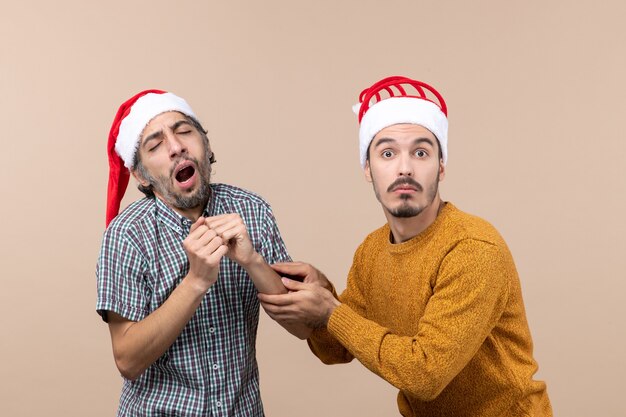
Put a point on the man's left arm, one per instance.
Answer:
(468, 299)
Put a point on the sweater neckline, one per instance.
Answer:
(421, 237)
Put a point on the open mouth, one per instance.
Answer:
(185, 173)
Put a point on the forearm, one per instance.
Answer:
(138, 345)
(400, 360)
(422, 364)
(265, 279)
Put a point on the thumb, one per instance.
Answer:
(196, 224)
(292, 285)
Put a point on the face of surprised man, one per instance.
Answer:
(405, 167)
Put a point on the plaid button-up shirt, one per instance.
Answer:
(211, 368)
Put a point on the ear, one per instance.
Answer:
(139, 178)
(368, 171)
(442, 170)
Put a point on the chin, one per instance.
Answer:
(405, 211)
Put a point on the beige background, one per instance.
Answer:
(537, 100)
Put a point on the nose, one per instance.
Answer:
(175, 145)
(405, 168)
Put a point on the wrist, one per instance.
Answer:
(325, 283)
(252, 262)
(196, 284)
(334, 303)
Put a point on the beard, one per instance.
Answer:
(164, 185)
(408, 209)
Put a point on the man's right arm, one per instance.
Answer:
(138, 344)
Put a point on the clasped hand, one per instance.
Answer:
(309, 302)
(210, 239)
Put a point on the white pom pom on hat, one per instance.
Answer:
(388, 102)
(130, 120)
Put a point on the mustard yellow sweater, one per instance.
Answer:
(441, 318)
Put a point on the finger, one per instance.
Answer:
(217, 221)
(204, 239)
(213, 258)
(270, 313)
(197, 232)
(218, 217)
(278, 313)
(219, 253)
(235, 232)
(275, 299)
(211, 246)
(235, 224)
(293, 268)
(197, 224)
(221, 229)
(272, 310)
(293, 285)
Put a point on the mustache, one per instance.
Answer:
(405, 181)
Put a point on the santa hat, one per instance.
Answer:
(395, 100)
(130, 121)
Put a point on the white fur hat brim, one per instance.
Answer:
(141, 113)
(396, 110)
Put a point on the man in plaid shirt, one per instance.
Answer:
(179, 270)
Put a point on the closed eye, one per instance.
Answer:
(155, 146)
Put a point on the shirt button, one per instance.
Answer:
(211, 329)
(215, 366)
(218, 403)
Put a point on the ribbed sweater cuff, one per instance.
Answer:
(345, 324)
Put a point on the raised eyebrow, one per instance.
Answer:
(382, 141)
(419, 141)
(415, 142)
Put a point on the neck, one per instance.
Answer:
(191, 213)
(405, 228)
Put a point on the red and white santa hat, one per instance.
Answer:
(395, 100)
(131, 119)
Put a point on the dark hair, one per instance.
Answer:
(143, 173)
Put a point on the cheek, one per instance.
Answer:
(380, 176)
(379, 182)
(158, 169)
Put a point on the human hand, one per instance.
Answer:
(204, 249)
(303, 272)
(232, 230)
(307, 304)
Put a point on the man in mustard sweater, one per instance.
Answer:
(433, 302)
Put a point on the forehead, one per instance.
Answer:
(161, 121)
(404, 131)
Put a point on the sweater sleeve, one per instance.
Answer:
(468, 298)
(321, 342)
